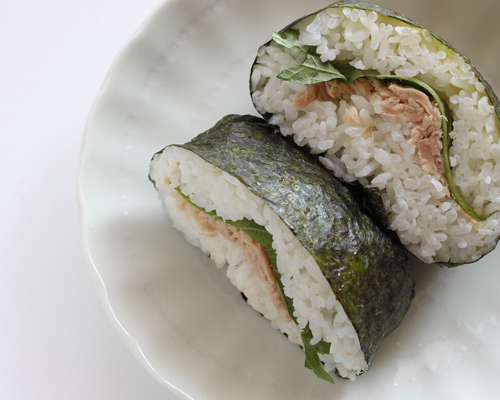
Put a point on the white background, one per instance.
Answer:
(56, 342)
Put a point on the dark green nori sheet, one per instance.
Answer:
(365, 265)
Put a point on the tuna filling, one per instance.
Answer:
(254, 251)
(406, 104)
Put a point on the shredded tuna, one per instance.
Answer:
(336, 89)
(254, 251)
(398, 102)
(351, 116)
(413, 106)
(367, 86)
(324, 91)
(302, 99)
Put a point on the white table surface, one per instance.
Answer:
(56, 341)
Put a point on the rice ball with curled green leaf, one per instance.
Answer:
(297, 244)
(385, 103)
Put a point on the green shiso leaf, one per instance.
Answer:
(262, 236)
(291, 36)
(311, 71)
(447, 167)
(352, 73)
(322, 347)
(312, 358)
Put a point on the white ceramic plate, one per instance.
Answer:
(186, 67)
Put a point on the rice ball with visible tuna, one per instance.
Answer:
(387, 104)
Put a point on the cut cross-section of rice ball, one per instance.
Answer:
(389, 105)
(296, 241)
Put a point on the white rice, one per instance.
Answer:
(430, 224)
(313, 299)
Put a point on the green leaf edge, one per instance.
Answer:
(262, 236)
(311, 71)
(289, 41)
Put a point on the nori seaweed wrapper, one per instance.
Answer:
(365, 265)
